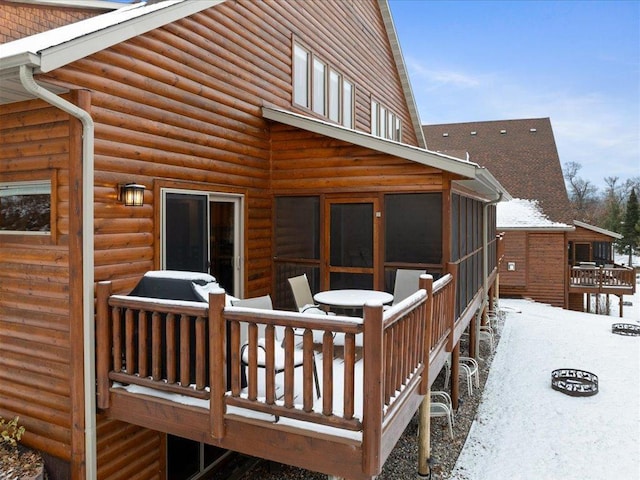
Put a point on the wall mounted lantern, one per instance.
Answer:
(131, 194)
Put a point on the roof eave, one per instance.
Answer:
(88, 44)
(339, 132)
(486, 184)
(402, 71)
(24, 58)
(603, 231)
(554, 228)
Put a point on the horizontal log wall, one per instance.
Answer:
(515, 251)
(127, 451)
(581, 234)
(546, 276)
(305, 162)
(34, 301)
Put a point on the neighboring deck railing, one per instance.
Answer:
(591, 279)
(185, 347)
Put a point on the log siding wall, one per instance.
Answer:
(35, 337)
(179, 104)
(541, 262)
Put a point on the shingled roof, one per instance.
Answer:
(521, 154)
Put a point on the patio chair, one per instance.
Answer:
(302, 295)
(407, 283)
(265, 303)
(467, 367)
(441, 406)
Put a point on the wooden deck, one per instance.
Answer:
(175, 367)
(611, 280)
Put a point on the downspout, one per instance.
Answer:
(29, 84)
(485, 269)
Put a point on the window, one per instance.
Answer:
(385, 123)
(347, 103)
(413, 228)
(301, 76)
(25, 207)
(323, 89)
(319, 87)
(334, 96)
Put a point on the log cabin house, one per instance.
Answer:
(542, 246)
(264, 140)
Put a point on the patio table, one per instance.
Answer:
(351, 298)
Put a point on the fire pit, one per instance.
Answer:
(627, 329)
(574, 382)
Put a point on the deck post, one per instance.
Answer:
(217, 364)
(424, 437)
(621, 304)
(103, 347)
(373, 359)
(455, 376)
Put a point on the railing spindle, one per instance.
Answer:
(172, 368)
(142, 343)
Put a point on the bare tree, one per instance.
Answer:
(582, 193)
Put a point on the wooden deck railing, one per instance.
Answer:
(443, 318)
(152, 343)
(185, 348)
(602, 279)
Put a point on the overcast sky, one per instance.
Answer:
(576, 62)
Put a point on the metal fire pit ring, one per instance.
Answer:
(574, 382)
(628, 329)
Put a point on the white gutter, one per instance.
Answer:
(29, 84)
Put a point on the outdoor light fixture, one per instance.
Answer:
(131, 194)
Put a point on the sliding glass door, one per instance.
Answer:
(201, 232)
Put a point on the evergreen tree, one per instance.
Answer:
(631, 225)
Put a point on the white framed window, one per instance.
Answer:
(334, 96)
(301, 75)
(25, 207)
(319, 87)
(385, 123)
(375, 125)
(348, 106)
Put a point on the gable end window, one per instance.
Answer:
(321, 88)
(385, 123)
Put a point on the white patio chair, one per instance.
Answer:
(302, 295)
(487, 334)
(467, 367)
(407, 283)
(265, 303)
(440, 406)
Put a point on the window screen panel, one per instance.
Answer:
(413, 228)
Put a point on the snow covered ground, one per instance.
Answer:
(526, 430)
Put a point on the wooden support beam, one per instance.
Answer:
(424, 437)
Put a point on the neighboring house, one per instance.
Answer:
(271, 139)
(541, 243)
